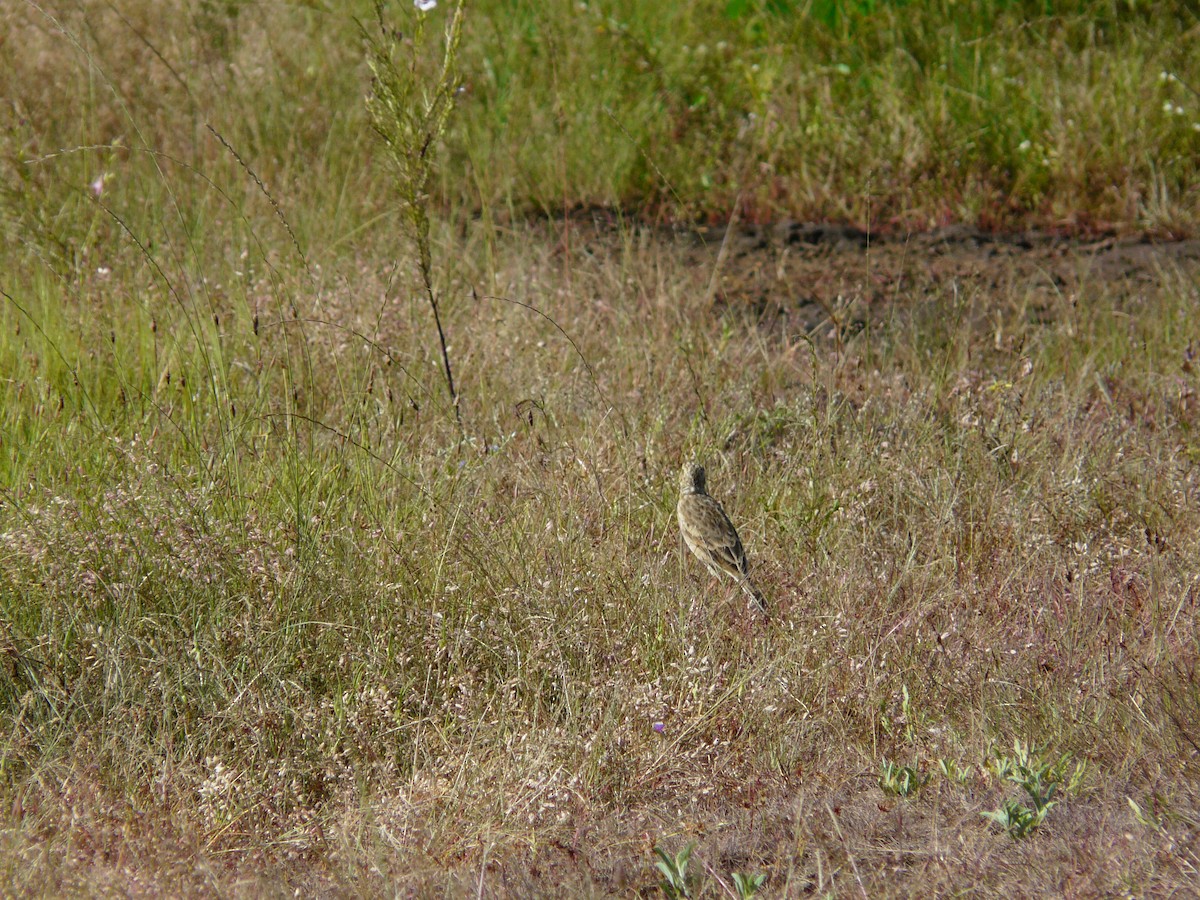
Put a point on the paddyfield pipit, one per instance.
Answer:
(710, 535)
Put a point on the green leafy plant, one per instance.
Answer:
(952, 771)
(746, 886)
(900, 781)
(674, 870)
(1018, 820)
(1041, 780)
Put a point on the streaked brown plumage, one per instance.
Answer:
(710, 535)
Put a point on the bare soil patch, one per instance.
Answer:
(794, 274)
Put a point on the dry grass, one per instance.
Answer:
(271, 622)
(363, 657)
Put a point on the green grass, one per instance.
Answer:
(890, 115)
(270, 619)
(893, 115)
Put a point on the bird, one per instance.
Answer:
(710, 535)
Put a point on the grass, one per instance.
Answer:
(271, 620)
(892, 116)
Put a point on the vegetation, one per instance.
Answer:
(282, 609)
(1081, 116)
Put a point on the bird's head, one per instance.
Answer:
(692, 480)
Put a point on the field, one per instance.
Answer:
(338, 552)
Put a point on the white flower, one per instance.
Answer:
(424, 5)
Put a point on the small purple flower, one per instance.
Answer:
(97, 186)
(660, 727)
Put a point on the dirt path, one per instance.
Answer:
(802, 272)
(794, 275)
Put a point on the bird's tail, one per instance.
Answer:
(755, 594)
